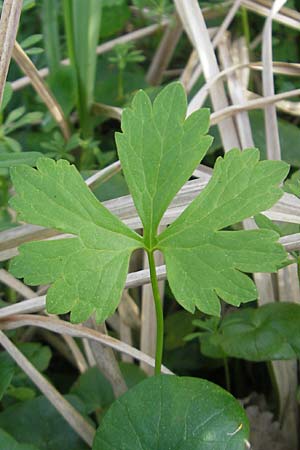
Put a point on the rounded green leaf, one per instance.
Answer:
(38, 424)
(168, 412)
(94, 390)
(132, 374)
(7, 370)
(9, 443)
(270, 332)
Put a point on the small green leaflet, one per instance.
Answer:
(158, 149)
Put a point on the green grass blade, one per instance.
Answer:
(51, 33)
(82, 24)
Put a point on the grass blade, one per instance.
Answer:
(51, 33)
(82, 23)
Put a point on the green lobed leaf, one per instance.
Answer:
(204, 263)
(56, 196)
(168, 412)
(159, 150)
(270, 332)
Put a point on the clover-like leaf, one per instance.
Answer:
(270, 332)
(168, 412)
(204, 263)
(159, 150)
(88, 272)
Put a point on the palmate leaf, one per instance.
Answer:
(158, 150)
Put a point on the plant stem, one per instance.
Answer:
(120, 84)
(159, 314)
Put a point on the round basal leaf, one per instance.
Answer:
(132, 374)
(94, 390)
(37, 423)
(268, 333)
(7, 370)
(172, 413)
(9, 443)
(177, 326)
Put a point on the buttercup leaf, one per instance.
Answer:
(159, 150)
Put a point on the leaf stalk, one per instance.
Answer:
(159, 314)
